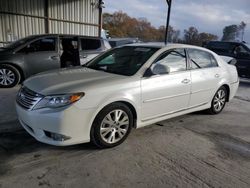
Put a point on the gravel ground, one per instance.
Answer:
(195, 150)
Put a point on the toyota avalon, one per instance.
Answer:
(126, 87)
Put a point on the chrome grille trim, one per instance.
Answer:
(27, 98)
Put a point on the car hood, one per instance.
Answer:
(68, 80)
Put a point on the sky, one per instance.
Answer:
(206, 15)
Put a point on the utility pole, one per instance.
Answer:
(169, 2)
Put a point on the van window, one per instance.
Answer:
(90, 44)
(201, 59)
(44, 44)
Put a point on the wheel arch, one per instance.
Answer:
(228, 91)
(128, 103)
(20, 70)
(133, 110)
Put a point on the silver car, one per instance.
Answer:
(38, 53)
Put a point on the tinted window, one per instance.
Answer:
(45, 44)
(175, 60)
(201, 59)
(248, 46)
(125, 60)
(240, 49)
(19, 42)
(90, 44)
(221, 47)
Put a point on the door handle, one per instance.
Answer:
(54, 57)
(185, 81)
(217, 75)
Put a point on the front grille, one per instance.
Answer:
(27, 98)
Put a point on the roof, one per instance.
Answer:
(64, 35)
(162, 45)
(123, 39)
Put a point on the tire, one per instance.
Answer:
(219, 101)
(106, 131)
(9, 76)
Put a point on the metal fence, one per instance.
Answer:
(20, 18)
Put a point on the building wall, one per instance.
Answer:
(20, 18)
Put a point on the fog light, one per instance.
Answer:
(59, 137)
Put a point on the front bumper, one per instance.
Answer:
(73, 123)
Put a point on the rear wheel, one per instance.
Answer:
(9, 76)
(219, 100)
(112, 125)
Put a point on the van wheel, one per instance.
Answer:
(9, 76)
(112, 125)
(219, 101)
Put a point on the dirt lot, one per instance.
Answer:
(195, 150)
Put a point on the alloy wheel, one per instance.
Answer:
(219, 100)
(114, 126)
(7, 77)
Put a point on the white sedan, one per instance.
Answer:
(127, 87)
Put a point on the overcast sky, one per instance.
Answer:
(206, 15)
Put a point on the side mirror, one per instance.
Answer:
(159, 69)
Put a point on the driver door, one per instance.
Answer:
(165, 94)
(41, 55)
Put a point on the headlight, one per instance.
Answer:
(57, 101)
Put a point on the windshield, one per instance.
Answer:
(125, 60)
(247, 45)
(19, 42)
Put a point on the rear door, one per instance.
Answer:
(205, 74)
(41, 55)
(90, 48)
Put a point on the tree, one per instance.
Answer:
(206, 37)
(191, 36)
(176, 36)
(119, 24)
(230, 33)
(241, 29)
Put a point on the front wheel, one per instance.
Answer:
(219, 101)
(112, 125)
(9, 76)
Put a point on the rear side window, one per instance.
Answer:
(201, 59)
(90, 44)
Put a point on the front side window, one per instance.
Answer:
(19, 42)
(201, 59)
(124, 61)
(44, 44)
(175, 60)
